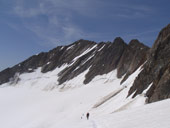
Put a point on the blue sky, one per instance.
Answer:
(28, 27)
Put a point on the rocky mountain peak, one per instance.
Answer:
(119, 41)
(155, 73)
(133, 56)
(97, 58)
(83, 42)
(135, 44)
(163, 34)
(93, 59)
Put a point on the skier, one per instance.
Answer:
(87, 115)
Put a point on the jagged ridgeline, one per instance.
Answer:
(156, 71)
(102, 58)
(99, 58)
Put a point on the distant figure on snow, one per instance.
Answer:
(82, 116)
(87, 115)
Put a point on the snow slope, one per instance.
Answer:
(155, 115)
(37, 102)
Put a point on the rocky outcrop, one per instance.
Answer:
(107, 59)
(83, 55)
(48, 61)
(133, 57)
(26, 66)
(156, 71)
(102, 58)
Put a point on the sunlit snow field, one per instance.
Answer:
(37, 101)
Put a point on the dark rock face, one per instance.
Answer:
(26, 66)
(107, 59)
(65, 55)
(48, 61)
(133, 57)
(156, 70)
(103, 59)
(98, 58)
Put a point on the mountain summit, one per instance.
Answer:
(96, 59)
(156, 71)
